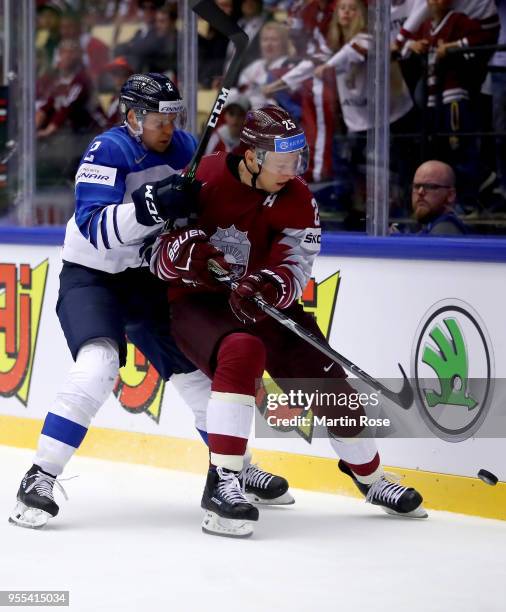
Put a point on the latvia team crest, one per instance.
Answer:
(236, 246)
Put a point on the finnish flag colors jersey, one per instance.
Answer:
(104, 233)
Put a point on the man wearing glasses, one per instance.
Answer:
(433, 199)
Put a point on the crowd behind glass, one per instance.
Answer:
(448, 96)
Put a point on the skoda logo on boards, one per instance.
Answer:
(452, 370)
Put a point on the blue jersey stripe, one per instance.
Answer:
(93, 227)
(204, 436)
(115, 224)
(103, 229)
(63, 430)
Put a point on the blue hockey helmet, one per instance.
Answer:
(152, 93)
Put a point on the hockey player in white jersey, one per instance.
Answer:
(127, 186)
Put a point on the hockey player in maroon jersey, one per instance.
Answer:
(258, 220)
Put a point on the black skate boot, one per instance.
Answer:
(228, 512)
(36, 503)
(387, 493)
(262, 487)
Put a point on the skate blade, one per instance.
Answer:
(228, 528)
(31, 518)
(417, 513)
(283, 500)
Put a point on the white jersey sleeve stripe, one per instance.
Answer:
(130, 231)
(303, 247)
(113, 239)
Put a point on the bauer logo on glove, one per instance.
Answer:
(184, 254)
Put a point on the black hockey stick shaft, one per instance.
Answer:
(403, 398)
(220, 21)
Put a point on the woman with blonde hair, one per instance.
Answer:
(350, 42)
(275, 60)
(318, 96)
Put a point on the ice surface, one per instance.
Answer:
(129, 539)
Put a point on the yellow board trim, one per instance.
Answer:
(440, 491)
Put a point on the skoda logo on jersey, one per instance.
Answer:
(292, 143)
(452, 370)
(236, 246)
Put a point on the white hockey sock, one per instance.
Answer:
(89, 383)
(229, 417)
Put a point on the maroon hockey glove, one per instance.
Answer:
(268, 285)
(184, 254)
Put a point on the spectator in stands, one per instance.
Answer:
(344, 57)
(434, 198)
(116, 73)
(450, 83)
(141, 44)
(273, 63)
(310, 23)
(212, 49)
(163, 57)
(68, 117)
(69, 103)
(45, 74)
(226, 136)
(252, 19)
(349, 44)
(48, 20)
(484, 11)
(119, 10)
(95, 52)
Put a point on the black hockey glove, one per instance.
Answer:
(172, 198)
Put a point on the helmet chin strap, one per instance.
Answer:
(136, 133)
(254, 175)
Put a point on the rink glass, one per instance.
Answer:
(366, 185)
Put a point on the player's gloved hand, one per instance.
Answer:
(268, 285)
(185, 254)
(172, 198)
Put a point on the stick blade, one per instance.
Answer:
(406, 396)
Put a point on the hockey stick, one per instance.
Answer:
(403, 398)
(220, 21)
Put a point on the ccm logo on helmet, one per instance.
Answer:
(150, 204)
(218, 107)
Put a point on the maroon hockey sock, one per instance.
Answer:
(365, 469)
(240, 362)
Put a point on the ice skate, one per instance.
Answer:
(391, 496)
(36, 503)
(227, 511)
(261, 487)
